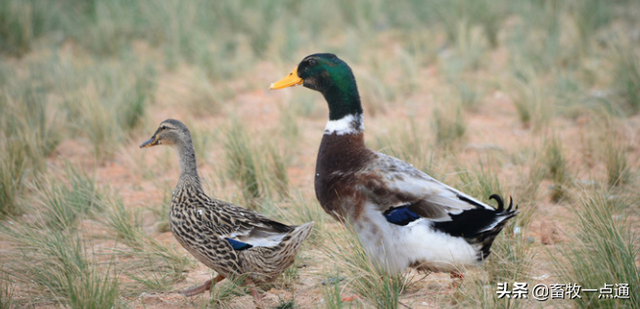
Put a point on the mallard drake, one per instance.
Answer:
(229, 239)
(404, 217)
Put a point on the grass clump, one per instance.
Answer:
(260, 169)
(112, 104)
(627, 77)
(21, 22)
(6, 291)
(241, 163)
(458, 14)
(530, 100)
(331, 294)
(407, 142)
(30, 130)
(529, 186)
(61, 263)
(369, 279)
(222, 293)
(53, 253)
(31, 123)
(12, 171)
(480, 182)
(448, 124)
(67, 201)
(155, 265)
(606, 251)
(589, 16)
(618, 169)
(557, 168)
(273, 173)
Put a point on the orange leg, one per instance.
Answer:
(347, 299)
(202, 288)
(457, 275)
(254, 292)
(457, 279)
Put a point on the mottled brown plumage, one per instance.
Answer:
(230, 239)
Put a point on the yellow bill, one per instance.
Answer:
(289, 81)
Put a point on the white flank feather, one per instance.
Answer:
(263, 240)
(416, 242)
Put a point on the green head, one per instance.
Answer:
(330, 76)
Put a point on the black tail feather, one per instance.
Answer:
(501, 203)
(499, 200)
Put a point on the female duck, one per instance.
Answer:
(229, 239)
(402, 215)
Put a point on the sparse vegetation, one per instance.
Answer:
(156, 266)
(241, 163)
(63, 265)
(618, 169)
(65, 203)
(605, 250)
(449, 125)
(488, 96)
(6, 291)
(367, 278)
(557, 168)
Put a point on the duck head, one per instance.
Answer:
(170, 132)
(332, 77)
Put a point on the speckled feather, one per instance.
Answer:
(210, 229)
(202, 224)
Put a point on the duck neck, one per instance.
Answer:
(188, 168)
(345, 109)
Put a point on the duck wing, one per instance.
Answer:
(404, 194)
(242, 228)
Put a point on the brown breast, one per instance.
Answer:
(339, 158)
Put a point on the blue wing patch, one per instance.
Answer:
(400, 215)
(238, 245)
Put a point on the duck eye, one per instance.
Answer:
(163, 127)
(312, 62)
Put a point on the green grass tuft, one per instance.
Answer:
(557, 168)
(241, 163)
(448, 125)
(12, 171)
(331, 294)
(480, 182)
(618, 168)
(370, 280)
(155, 266)
(531, 100)
(65, 202)
(605, 251)
(627, 77)
(6, 291)
(61, 263)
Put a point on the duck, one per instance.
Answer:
(402, 216)
(229, 239)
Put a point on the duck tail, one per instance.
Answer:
(502, 215)
(268, 263)
(295, 238)
(500, 202)
(301, 232)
